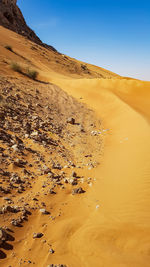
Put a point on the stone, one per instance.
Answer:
(11, 17)
(78, 191)
(57, 166)
(51, 251)
(3, 236)
(74, 174)
(52, 192)
(44, 211)
(73, 181)
(8, 209)
(71, 121)
(15, 148)
(16, 222)
(20, 163)
(37, 235)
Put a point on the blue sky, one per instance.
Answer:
(113, 34)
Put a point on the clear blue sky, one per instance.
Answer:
(114, 34)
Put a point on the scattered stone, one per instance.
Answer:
(78, 191)
(3, 236)
(20, 163)
(15, 148)
(51, 251)
(71, 121)
(16, 222)
(74, 174)
(37, 235)
(73, 181)
(6, 209)
(52, 192)
(44, 211)
(57, 166)
(35, 199)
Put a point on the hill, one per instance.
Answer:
(74, 160)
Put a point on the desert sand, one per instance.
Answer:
(108, 225)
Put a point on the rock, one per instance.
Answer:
(73, 181)
(12, 18)
(15, 148)
(57, 166)
(20, 163)
(37, 235)
(46, 170)
(9, 209)
(34, 134)
(15, 179)
(7, 199)
(35, 199)
(74, 174)
(16, 222)
(52, 192)
(51, 251)
(44, 211)
(71, 121)
(78, 191)
(65, 180)
(3, 236)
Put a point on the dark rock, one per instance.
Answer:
(37, 235)
(3, 236)
(57, 166)
(78, 191)
(71, 121)
(20, 163)
(16, 222)
(52, 192)
(44, 211)
(74, 174)
(12, 18)
(51, 251)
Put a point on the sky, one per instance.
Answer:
(113, 34)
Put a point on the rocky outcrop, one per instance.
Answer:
(12, 18)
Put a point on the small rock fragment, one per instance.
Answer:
(78, 191)
(44, 211)
(71, 120)
(37, 235)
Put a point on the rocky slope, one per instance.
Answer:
(12, 18)
(43, 148)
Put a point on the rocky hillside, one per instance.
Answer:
(43, 148)
(12, 18)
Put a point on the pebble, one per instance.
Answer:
(78, 191)
(51, 251)
(37, 235)
(44, 211)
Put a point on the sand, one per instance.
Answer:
(109, 225)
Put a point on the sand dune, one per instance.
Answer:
(117, 233)
(109, 224)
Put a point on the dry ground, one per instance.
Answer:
(107, 147)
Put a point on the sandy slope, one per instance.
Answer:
(110, 224)
(117, 233)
